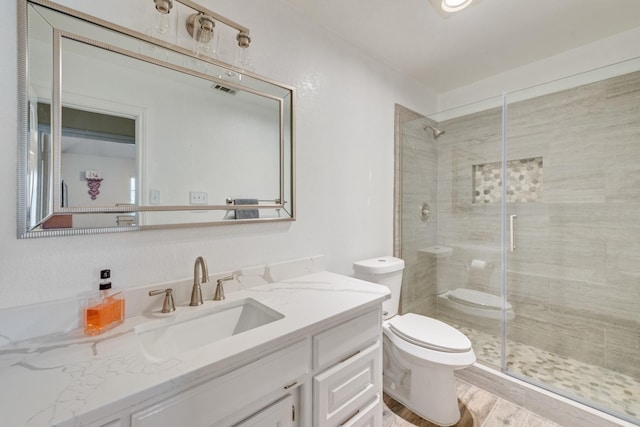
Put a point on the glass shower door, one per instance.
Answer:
(447, 164)
(469, 284)
(573, 278)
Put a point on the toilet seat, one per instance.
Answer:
(429, 333)
(479, 299)
(413, 354)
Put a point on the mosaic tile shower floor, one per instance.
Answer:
(595, 384)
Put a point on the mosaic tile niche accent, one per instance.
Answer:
(524, 181)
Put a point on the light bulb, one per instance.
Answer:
(161, 24)
(201, 27)
(243, 59)
(243, 55)
(161, 21)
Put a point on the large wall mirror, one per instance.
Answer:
(122, 132)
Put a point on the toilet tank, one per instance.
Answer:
(385, 271)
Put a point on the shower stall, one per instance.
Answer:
(520, 226)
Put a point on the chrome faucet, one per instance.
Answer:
(196, 292)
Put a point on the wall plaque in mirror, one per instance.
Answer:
(123, 132)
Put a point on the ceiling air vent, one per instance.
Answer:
(222, 88)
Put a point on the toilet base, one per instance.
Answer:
(427, 388)
(432, 394)
(440, 387)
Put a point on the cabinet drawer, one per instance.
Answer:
(342, 390)
(342, 341)
(369, 416)
(219, 398)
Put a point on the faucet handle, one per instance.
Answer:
(219, 294)
(168, 305)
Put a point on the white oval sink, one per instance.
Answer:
(171, 336)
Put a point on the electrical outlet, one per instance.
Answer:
(198, 197)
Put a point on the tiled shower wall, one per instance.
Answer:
(416, 163)
(574, 280)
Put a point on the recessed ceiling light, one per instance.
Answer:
(454, 5)
(448, 8)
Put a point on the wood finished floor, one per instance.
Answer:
(478, 408)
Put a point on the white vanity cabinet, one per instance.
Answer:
(267, 388)
(331, 377)
(347, 385)
(338, 371)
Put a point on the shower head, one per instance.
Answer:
(436, 132)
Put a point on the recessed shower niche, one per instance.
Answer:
(524, 181)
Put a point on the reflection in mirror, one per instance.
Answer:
(93, 145)
(127, 141)
(36, 190)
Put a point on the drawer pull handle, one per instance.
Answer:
(350, 418)
(349, 357)
(287, 387)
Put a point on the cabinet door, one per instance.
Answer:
(278, 414)
(225, 396)
(347, 387)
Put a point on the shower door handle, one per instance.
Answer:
(512, 232)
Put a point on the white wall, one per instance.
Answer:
(114, 189)
(603, 53)
(345, 115)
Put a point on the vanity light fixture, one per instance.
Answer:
(164, 6)
(201, 25)
(243, 39)
(161, 19)
(243, 57)
(454, 5)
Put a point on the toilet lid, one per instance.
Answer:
(429, 333)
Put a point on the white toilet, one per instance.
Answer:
(476, 304)
(420, 353)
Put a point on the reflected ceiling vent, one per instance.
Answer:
(221, 88)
